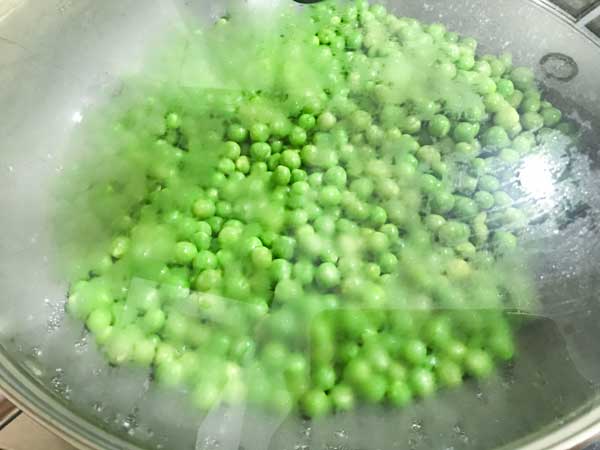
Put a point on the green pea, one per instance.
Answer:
(449, 373)
(204, 208)
(316, 403)
(442, 202)
(261, 257)
(259, 132)
(328, 275)
(422, 382)
(342, 397)
(237, 133)
(551, 116)
(329, 196)
(260, 151)
(399, 393)
(335, 176)
(209, 279)
(478, 363)
(99, 320)
(453, 232)
(532, 121)
(439, 126)
(522, 77)
(185, 252)
(496, 137)
(284, 247)
(297, 136)
(484, 199)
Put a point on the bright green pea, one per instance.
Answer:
(259, 132)
(297, 136)
(439, 126)
(307, 121)
(453, 233)
(204, 208)
(99, 320)
(284, 247)
(449, 373)
(260, 151)
(237, 133)
(282, 175)
(329, 196)
(209, 279)
(335, 176)
(442, 202)
(522, 77)
(422, 382)
(328, 275)
(342, 397)
(316, 403)
(478, 363)
(496, 137)
(185, 252)
(261, 257)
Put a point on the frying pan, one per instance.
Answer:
(60, 57)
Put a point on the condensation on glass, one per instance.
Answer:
(576, 8)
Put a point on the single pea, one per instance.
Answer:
(288, 290)
(465, 131)
(307, 121)
(496, 137)
(442, 202)
(204, 208)
(282, 175)
(324, 377)
(399, 393)
(494, 102)
(532, 121)
(478, 363)
(291, 159)
(335, 176)
(342, 397)
(316, 403)
(551, 116)
(449, 373)
(422, 382)
(260, 151)
(439, 126)
(506, 118)
(259, 132)
(297, 136)
(328, 275)
(453, 232)
(504, 241)
(522, 77)
(464, 207)
(415, 351)
(99, 320)
(185, 252)
(374, 390)
(360, 120)
(505, 87)
(329, 196)
(261, 257)
(173, 121)
(489, 183)
(484, 199)
(209, 279)
(284, 247)
(237, 133)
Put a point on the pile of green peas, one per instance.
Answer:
(318, 249)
